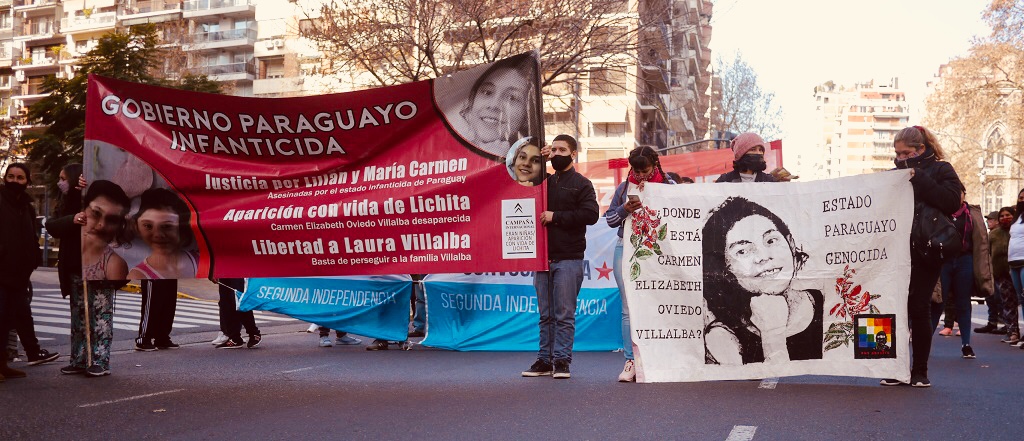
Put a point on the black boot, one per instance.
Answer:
(987, 329)
(7, 372)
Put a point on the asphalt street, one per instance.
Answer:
(289, 388)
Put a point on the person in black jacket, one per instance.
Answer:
(749, 164)
(572, 205)
(935, 183)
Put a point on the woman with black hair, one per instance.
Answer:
(645, 166)
(935, 183)
(69, 257)
(1015, 259)
(753, 312)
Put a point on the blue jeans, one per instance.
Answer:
(557, 290)
(1016, 275)
(957, 277)
(627, 336)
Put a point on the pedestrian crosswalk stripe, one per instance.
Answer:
(54, 309)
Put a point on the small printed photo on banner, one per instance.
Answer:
(875, 336)
(490, 107)
(525, 163)
(753, 313)
(155, 238)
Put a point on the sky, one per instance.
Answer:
(794, 45)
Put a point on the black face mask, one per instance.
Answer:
(914, 162)
(16, 187)
(751, 162)
(560, 162)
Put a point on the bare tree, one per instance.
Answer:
(744, 106)
(977, 106)
(398, 41)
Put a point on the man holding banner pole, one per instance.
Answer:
(571, 206)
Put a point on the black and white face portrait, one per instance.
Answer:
(759, 256)
(491, 107)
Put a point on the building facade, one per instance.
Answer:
(857, 124)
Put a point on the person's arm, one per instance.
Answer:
(61, 227)
(723, 346)
(941, 191)
(586, 211)
(617, 212)
(117, 268)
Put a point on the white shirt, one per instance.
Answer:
(1016, 250)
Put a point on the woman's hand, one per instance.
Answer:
(770, 314)
(632, 206)
(81, 182)
(80, 218)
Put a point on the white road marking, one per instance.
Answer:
(769, 383)
(303, 369)
(742, 433)
(137, 397)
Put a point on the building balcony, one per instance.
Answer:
(656, 37)
(39, 30)
(26, 5)
(94, 21)
(654, 75)
(6, 3)
(34, 65)
(29, 93)
(227, 72)
(222, 40)
(150, 11)
(278, 86)
(221, 8)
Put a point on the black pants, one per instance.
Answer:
(159, 299)
(19, 318)
(231, 319)
(923, 278)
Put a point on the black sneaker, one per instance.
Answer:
(72, 370)
(43, 356)
(1000, 330)
(987, 329)
(97, 371)
(254, 341)
(561, 369)
(377, 345)
(144, 345)
(967, 352)
(540, 368)
(891, 382)
(232, 343)
(167, 345)
(918, 380)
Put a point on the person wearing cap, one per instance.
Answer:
(749, 165)
(992, 219)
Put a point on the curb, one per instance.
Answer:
(137, 289)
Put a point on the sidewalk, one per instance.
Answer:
(198, 289)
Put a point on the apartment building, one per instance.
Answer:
(658, 96)
(857, 125)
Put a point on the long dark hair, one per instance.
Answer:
(115, 194)
(726, 299)
(71, 203)
(518, 63)
(645, 156)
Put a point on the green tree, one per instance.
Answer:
(131, 55)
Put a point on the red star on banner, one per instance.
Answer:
(604, 271)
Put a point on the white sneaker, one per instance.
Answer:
(313, 327)
(345, 340)
(221, 338)
(325, 342)
(628, 374)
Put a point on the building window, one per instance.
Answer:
(608, 82)
(608, 130)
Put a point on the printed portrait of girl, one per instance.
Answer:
(499, 107)
(754, 315)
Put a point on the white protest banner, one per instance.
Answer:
(756, 280)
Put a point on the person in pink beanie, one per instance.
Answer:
(749, 164)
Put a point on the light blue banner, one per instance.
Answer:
(498, 311)
(376, 307)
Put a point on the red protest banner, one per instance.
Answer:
(415, 178)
